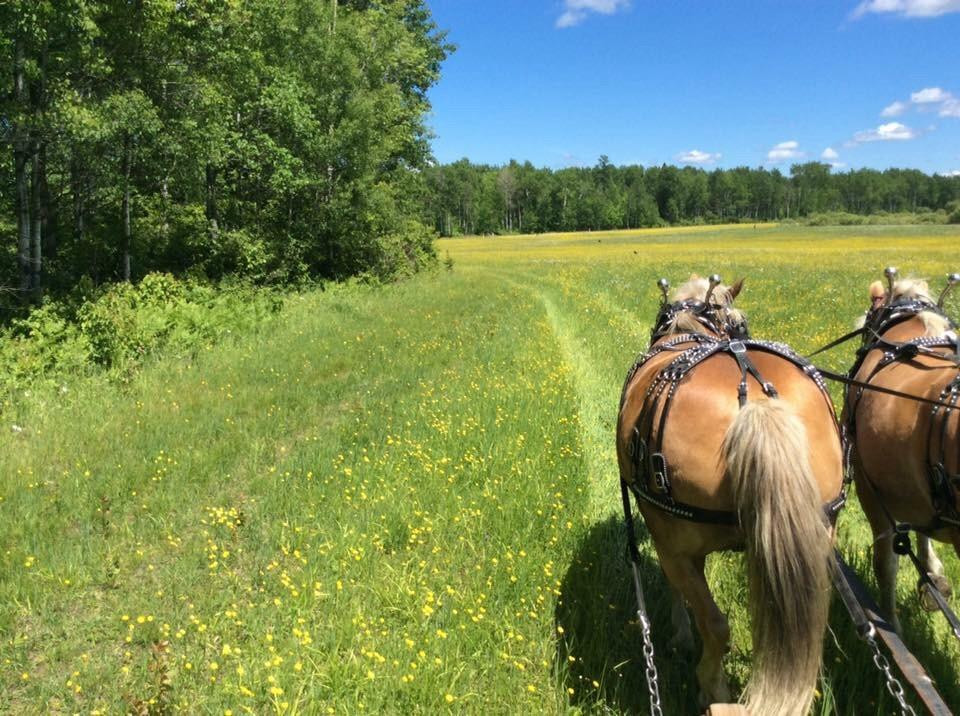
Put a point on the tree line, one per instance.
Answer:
(276, 140)
(467, 198)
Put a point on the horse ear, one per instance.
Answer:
(736, 288)
(878, 293)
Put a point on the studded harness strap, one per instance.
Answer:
(645, 447)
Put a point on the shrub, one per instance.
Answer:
(403, 253)
(953, 212)
(117, 328)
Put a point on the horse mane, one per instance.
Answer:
(696, 289)
(934, 324)
(912, 288)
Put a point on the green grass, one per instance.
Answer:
(403, 499)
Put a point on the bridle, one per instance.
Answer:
(714, 317)
(881, 319)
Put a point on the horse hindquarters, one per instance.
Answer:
(787, 547)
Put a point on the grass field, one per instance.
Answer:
(404, 499)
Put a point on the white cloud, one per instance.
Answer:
(885, 133)
(930, 95)
(695, 156)
(895, 109)
(954, 173)
(784, 151)
(907, 8)
(950, 108)
(829, 153)
(929, 99)
(576, 11)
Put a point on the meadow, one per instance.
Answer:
(404, 499)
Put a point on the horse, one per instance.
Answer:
(905, 456)
(730, 444)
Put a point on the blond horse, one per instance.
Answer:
(905, 452)
(768, 464)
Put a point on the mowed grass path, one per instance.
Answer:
(402, 499)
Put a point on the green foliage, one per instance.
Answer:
(882, 218)
(403, 253)
(463, 198)
(275, 141)
(953, 217)
(117, 328)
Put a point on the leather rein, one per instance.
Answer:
(877, 323)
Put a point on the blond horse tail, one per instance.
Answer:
(787, 547)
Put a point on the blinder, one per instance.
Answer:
(712, 316)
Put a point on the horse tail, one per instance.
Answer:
(787, 547)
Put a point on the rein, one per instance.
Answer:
(908, 349)
(842, 339)
(876, 388)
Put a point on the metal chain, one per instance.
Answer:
(651, 666)
(893, 685)
(652, 682)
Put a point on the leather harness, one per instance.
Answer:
(943, 486)
(652, 483)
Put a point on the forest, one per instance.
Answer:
(467, 198)
(278, 141)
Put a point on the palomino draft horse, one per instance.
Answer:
(906, 455)
(730, 443)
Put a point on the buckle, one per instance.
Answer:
(738, 347)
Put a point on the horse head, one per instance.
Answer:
(905, 299)
(701, 305)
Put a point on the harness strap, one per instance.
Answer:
(683, 510)
(908, 350)
(941, 482)
(902, 546)
(739, 351)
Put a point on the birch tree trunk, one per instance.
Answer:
(21, 156)
(213, 219)
(126, 208)
(36, 223)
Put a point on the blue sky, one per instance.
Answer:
(711, 83)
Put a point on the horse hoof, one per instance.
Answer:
(719, 697)
(943, 586)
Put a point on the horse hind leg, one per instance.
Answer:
(686, 576)
(682, 639)
(934, 569)
(885, 564)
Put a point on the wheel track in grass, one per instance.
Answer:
(596, 402)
